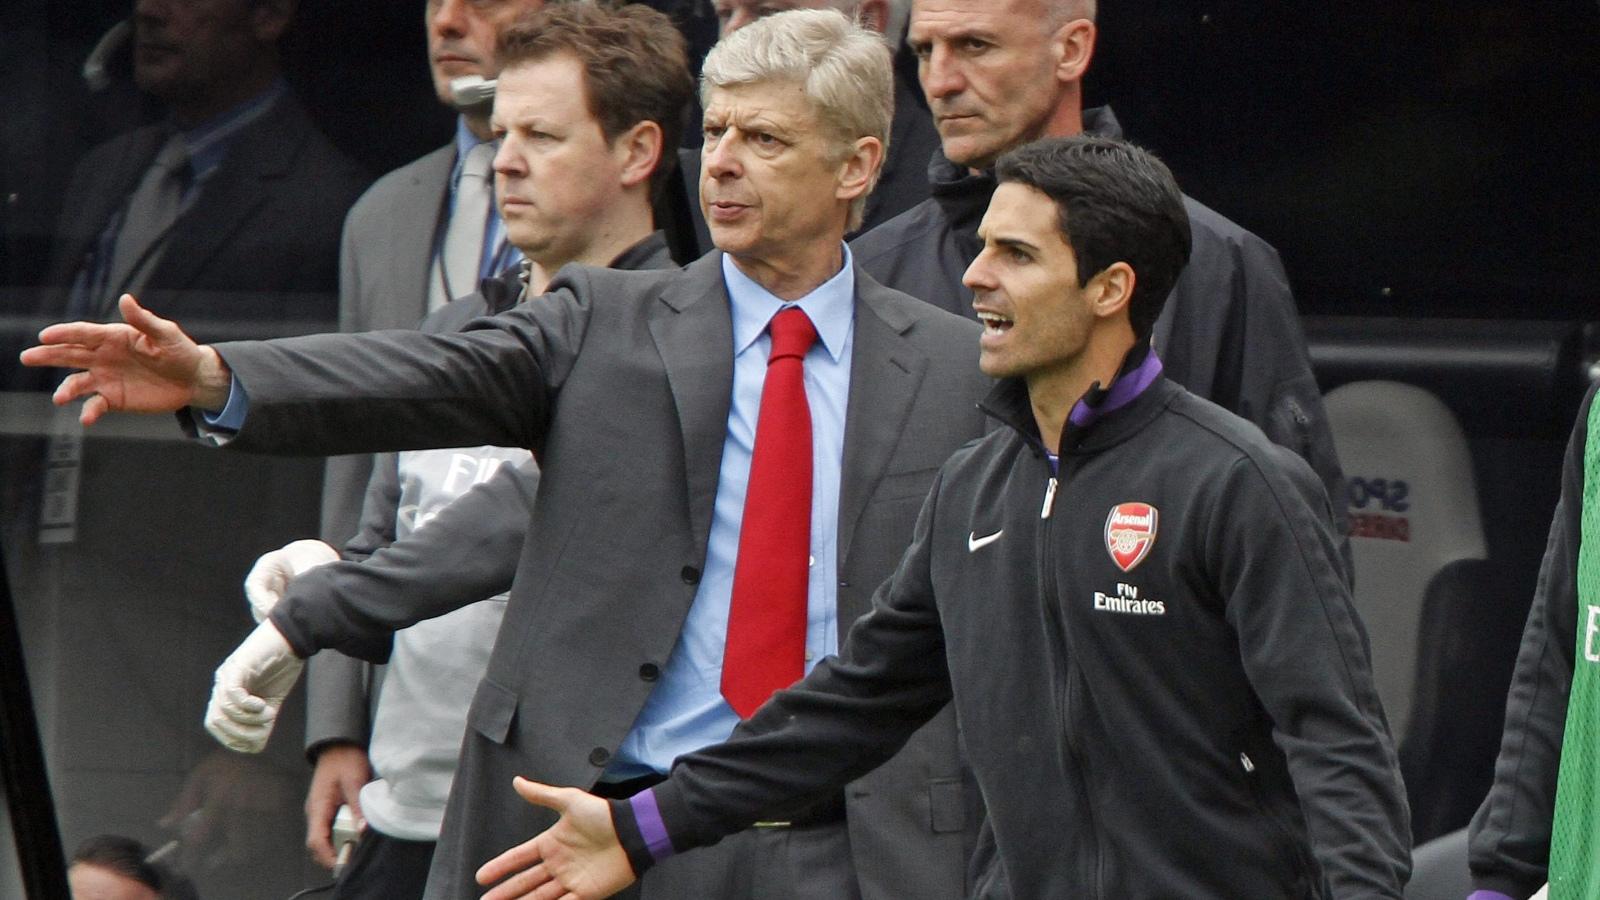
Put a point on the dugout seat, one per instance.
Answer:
(1413, 507)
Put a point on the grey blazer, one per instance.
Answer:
(621, 384)
(385, 255)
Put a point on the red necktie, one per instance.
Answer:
(767, 618)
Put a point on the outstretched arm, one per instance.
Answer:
(146, 365)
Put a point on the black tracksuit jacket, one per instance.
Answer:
(1510, 835)
(1201, 725)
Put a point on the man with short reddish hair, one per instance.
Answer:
(392, 273)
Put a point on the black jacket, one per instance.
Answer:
(1202, 725)
(1229, 333)
(1509, 843)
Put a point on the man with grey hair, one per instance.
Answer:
(732, 455)
(912, 141)
(1181, 704)
(1000, 73)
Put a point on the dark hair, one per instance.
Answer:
(130, 859)
(634, 64)
(1118, 203)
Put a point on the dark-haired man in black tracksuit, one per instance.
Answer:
(997, 74)
(1135, 601)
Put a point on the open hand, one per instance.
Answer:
(146, 365)
(578, 858)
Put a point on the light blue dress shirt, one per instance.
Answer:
(686, 711)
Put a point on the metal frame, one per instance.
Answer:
(22, 768)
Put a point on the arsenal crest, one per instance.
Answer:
(1130, 533)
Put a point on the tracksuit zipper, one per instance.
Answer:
(1048, 595)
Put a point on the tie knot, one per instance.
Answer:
(792, 333)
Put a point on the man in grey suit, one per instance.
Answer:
(640, 394)
(585, 198)
(391, 276)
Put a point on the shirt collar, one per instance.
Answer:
(831, 306)
(207, 143)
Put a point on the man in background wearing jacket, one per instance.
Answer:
(1000, 73)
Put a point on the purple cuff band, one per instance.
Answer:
(1488, 895)
(1122, 392)
(651, 828)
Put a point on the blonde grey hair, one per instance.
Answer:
(1064, 11)
(843, 68)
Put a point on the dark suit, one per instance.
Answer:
(254, 254)
(622, 383)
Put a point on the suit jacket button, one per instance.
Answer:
(690, 574)
(599, 756)
(649, 672)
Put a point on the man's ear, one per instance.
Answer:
(1072, 47)
(873, 15)
(639, 150)
(1111, 290)
(858, 171)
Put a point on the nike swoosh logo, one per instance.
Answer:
(975, 543)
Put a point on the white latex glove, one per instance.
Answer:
(271, 574)
(249, 689)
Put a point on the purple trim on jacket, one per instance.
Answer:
(651, 827)
(1127, 386)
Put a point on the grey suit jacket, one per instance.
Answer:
(622, 384)
(384, 260)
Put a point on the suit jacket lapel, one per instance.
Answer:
(885, 371)
(693, 332)
(411, 248)
(108, 191)
(261, 152)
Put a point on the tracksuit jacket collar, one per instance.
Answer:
(1104, 415)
